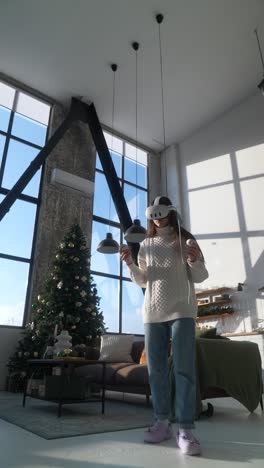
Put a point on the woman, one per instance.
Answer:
(169, 263)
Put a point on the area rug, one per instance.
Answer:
(40, 417)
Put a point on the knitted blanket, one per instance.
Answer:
(233, 366)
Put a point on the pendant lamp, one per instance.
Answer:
(136, 233)
(109, 245)
(159, 20)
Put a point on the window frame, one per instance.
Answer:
(108, 222)
(23, 197)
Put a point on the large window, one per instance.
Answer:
(23, 129)
(121, 300)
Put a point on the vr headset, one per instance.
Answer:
(158, 211)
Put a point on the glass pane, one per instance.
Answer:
(102, 199)
(19, 156)
(4, 118)
(16, 229)
(32, 187)
(136, 210)
(252, 192)
(108, 263)
(33, 108)
(117, 161)
(7, 94)
(108, 291)
(2, 144)
(136, 154)
(125, 271)
(13, 286)
(98, 162)
(132, 301)
(209, 172)
(213, 210)
(135, 172)
(114, 143)
(29, 130)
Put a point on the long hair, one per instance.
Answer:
(174, 222)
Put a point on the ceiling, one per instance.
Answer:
(211, 62)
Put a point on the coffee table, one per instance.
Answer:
(66, 365)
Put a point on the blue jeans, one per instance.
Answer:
(157, 335)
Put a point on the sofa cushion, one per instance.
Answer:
(143, 357)
(135, 374)
(116, 348)
(137, 349)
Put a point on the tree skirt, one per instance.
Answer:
(40, 417)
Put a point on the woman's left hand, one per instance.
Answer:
(193, 252)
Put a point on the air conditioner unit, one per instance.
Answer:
(72, 181)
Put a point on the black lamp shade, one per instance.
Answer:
(261, 87)
(135, 233)
(108, 245)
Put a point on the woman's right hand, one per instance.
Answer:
(125, 254)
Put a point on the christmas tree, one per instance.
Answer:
(70, 302)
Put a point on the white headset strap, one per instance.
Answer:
(156, 201)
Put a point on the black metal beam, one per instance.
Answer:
(109, 169)
(111, 175)
(85, 113)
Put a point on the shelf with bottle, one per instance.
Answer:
(220, 301)
(212, 317)
(214, 291)
(215, 311)
(214, 303)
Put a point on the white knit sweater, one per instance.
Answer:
(168, 278)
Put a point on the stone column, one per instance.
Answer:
(62, 206)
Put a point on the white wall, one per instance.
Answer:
(154, 175)
(222, 179)
(8, 341)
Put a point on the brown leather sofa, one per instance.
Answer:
(125, 377)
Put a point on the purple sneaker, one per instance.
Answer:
(188, 444)
(158, 432)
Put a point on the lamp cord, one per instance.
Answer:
(260, 51)
(113, 111)
(114, 68)
(159, 20)
(135, 46)
(136, 132)
(162, 93)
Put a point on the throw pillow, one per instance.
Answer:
(143, 357)
(116, 348)
(205, 332)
